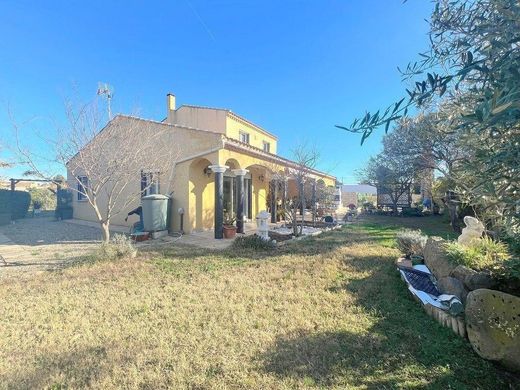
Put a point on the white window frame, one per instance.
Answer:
(266, 146)
(244, 134)
(82, 188)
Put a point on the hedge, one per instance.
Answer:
(15, 203)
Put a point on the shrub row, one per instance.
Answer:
(15, 203)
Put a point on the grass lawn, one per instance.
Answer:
(329, 311)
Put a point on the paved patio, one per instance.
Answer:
(206, 239)
(42, 243)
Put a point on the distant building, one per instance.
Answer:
(350, 193)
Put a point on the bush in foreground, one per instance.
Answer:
(411, 242)
(253, 242)
(491, 256)
(480, 255)
(119, 247)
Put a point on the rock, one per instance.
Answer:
(461, 272)
(493, 326)
(452, 286)
(403, 262)
(472, 279)
(436, 259)
(479, 280)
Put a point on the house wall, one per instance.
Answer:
(256, 136)
(348, 198)
(199, 118)
(190, 188)
(187, 144)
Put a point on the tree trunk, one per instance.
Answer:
(454, 217)
(294, 221)
(105, 229)
(394, 207)
(302, 203)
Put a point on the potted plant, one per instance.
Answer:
(229, 229)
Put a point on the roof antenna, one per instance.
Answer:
(107, 91)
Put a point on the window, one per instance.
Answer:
(267, 147)
(150, 183)
(244, 137)
(82, 188)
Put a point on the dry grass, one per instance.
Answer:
(325, 312)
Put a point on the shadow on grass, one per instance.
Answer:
(346, 359)
(49, 371)
(403, 348)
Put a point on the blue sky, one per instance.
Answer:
(296, 68)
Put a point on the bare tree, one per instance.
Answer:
(392, 175)
(109, 166)
(306, 157)
(3, 165)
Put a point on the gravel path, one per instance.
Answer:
(42, 244)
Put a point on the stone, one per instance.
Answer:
(403, 262)
(493, 326)
(461, 272)
(452, 286)
(479, 280)
(472, 279)
(473, 231)
(436, 259)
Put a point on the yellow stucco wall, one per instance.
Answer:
(256, 136)
(191, 189)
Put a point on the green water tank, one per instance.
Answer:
(155, 212)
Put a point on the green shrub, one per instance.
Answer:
(15, 203)
(42, 197)
(120, 246)
(483, 254)
(252, 242)
(411, 242)
(411, 212)
(509, 275)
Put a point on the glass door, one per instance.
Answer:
(229, 195)
(247, 198)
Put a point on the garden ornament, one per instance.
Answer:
(473, 230)
(262, 226)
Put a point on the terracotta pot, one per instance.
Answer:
(229, 231)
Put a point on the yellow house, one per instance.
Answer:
(225, 164)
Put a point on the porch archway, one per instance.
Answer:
(201, 195)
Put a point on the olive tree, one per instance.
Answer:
(474, 62)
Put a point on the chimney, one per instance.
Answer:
(170, 108)
(170, 102)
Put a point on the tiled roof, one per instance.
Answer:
(270, 156)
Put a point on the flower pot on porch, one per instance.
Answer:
(229, 231)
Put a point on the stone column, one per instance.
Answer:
(239, 175)
(284, 197)
(314, 202)
(219, 198)
(274, 194)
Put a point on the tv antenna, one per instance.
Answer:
(107, 91)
